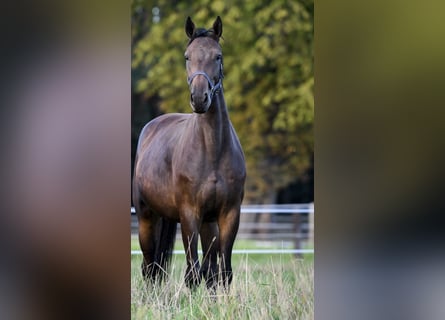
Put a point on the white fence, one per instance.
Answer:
(283, 224)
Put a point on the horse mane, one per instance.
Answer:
(202, 32)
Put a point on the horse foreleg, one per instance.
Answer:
(228, 224)
(148, 247)
(189, 230)
(210, 245)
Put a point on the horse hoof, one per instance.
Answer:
(192, 282)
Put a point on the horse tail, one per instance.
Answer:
(165, 239)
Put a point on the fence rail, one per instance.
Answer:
(284, 223)
(271, 208)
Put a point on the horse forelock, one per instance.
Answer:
(201, 33)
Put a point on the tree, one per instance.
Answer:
(268, 64)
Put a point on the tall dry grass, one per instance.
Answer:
(277, 288)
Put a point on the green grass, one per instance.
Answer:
(275, 286)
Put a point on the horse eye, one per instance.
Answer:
(186, 58)
(218, 57)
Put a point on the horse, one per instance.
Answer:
(190, 169)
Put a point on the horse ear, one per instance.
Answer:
(189, 27)
(217, 27)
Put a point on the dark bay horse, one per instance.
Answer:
(190, 169)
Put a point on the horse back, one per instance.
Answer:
(161, 129)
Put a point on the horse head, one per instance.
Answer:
(204, 64)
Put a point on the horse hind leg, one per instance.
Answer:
(210, 245)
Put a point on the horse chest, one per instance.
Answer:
(212, 195)
(211, 187)
(213, 190)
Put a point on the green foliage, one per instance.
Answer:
(268, 66)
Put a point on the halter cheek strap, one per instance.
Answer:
(213, 87)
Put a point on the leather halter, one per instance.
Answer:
(213, 87)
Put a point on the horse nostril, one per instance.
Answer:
(206, 97)
(191, 97)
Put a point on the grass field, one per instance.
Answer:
(277, 286)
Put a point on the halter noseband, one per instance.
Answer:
(213, 87)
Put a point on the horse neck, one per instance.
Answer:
(213, 127)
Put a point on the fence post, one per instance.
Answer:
(297, 239)
(311, 224)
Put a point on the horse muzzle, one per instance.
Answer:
(200, 103)
(200, 98)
